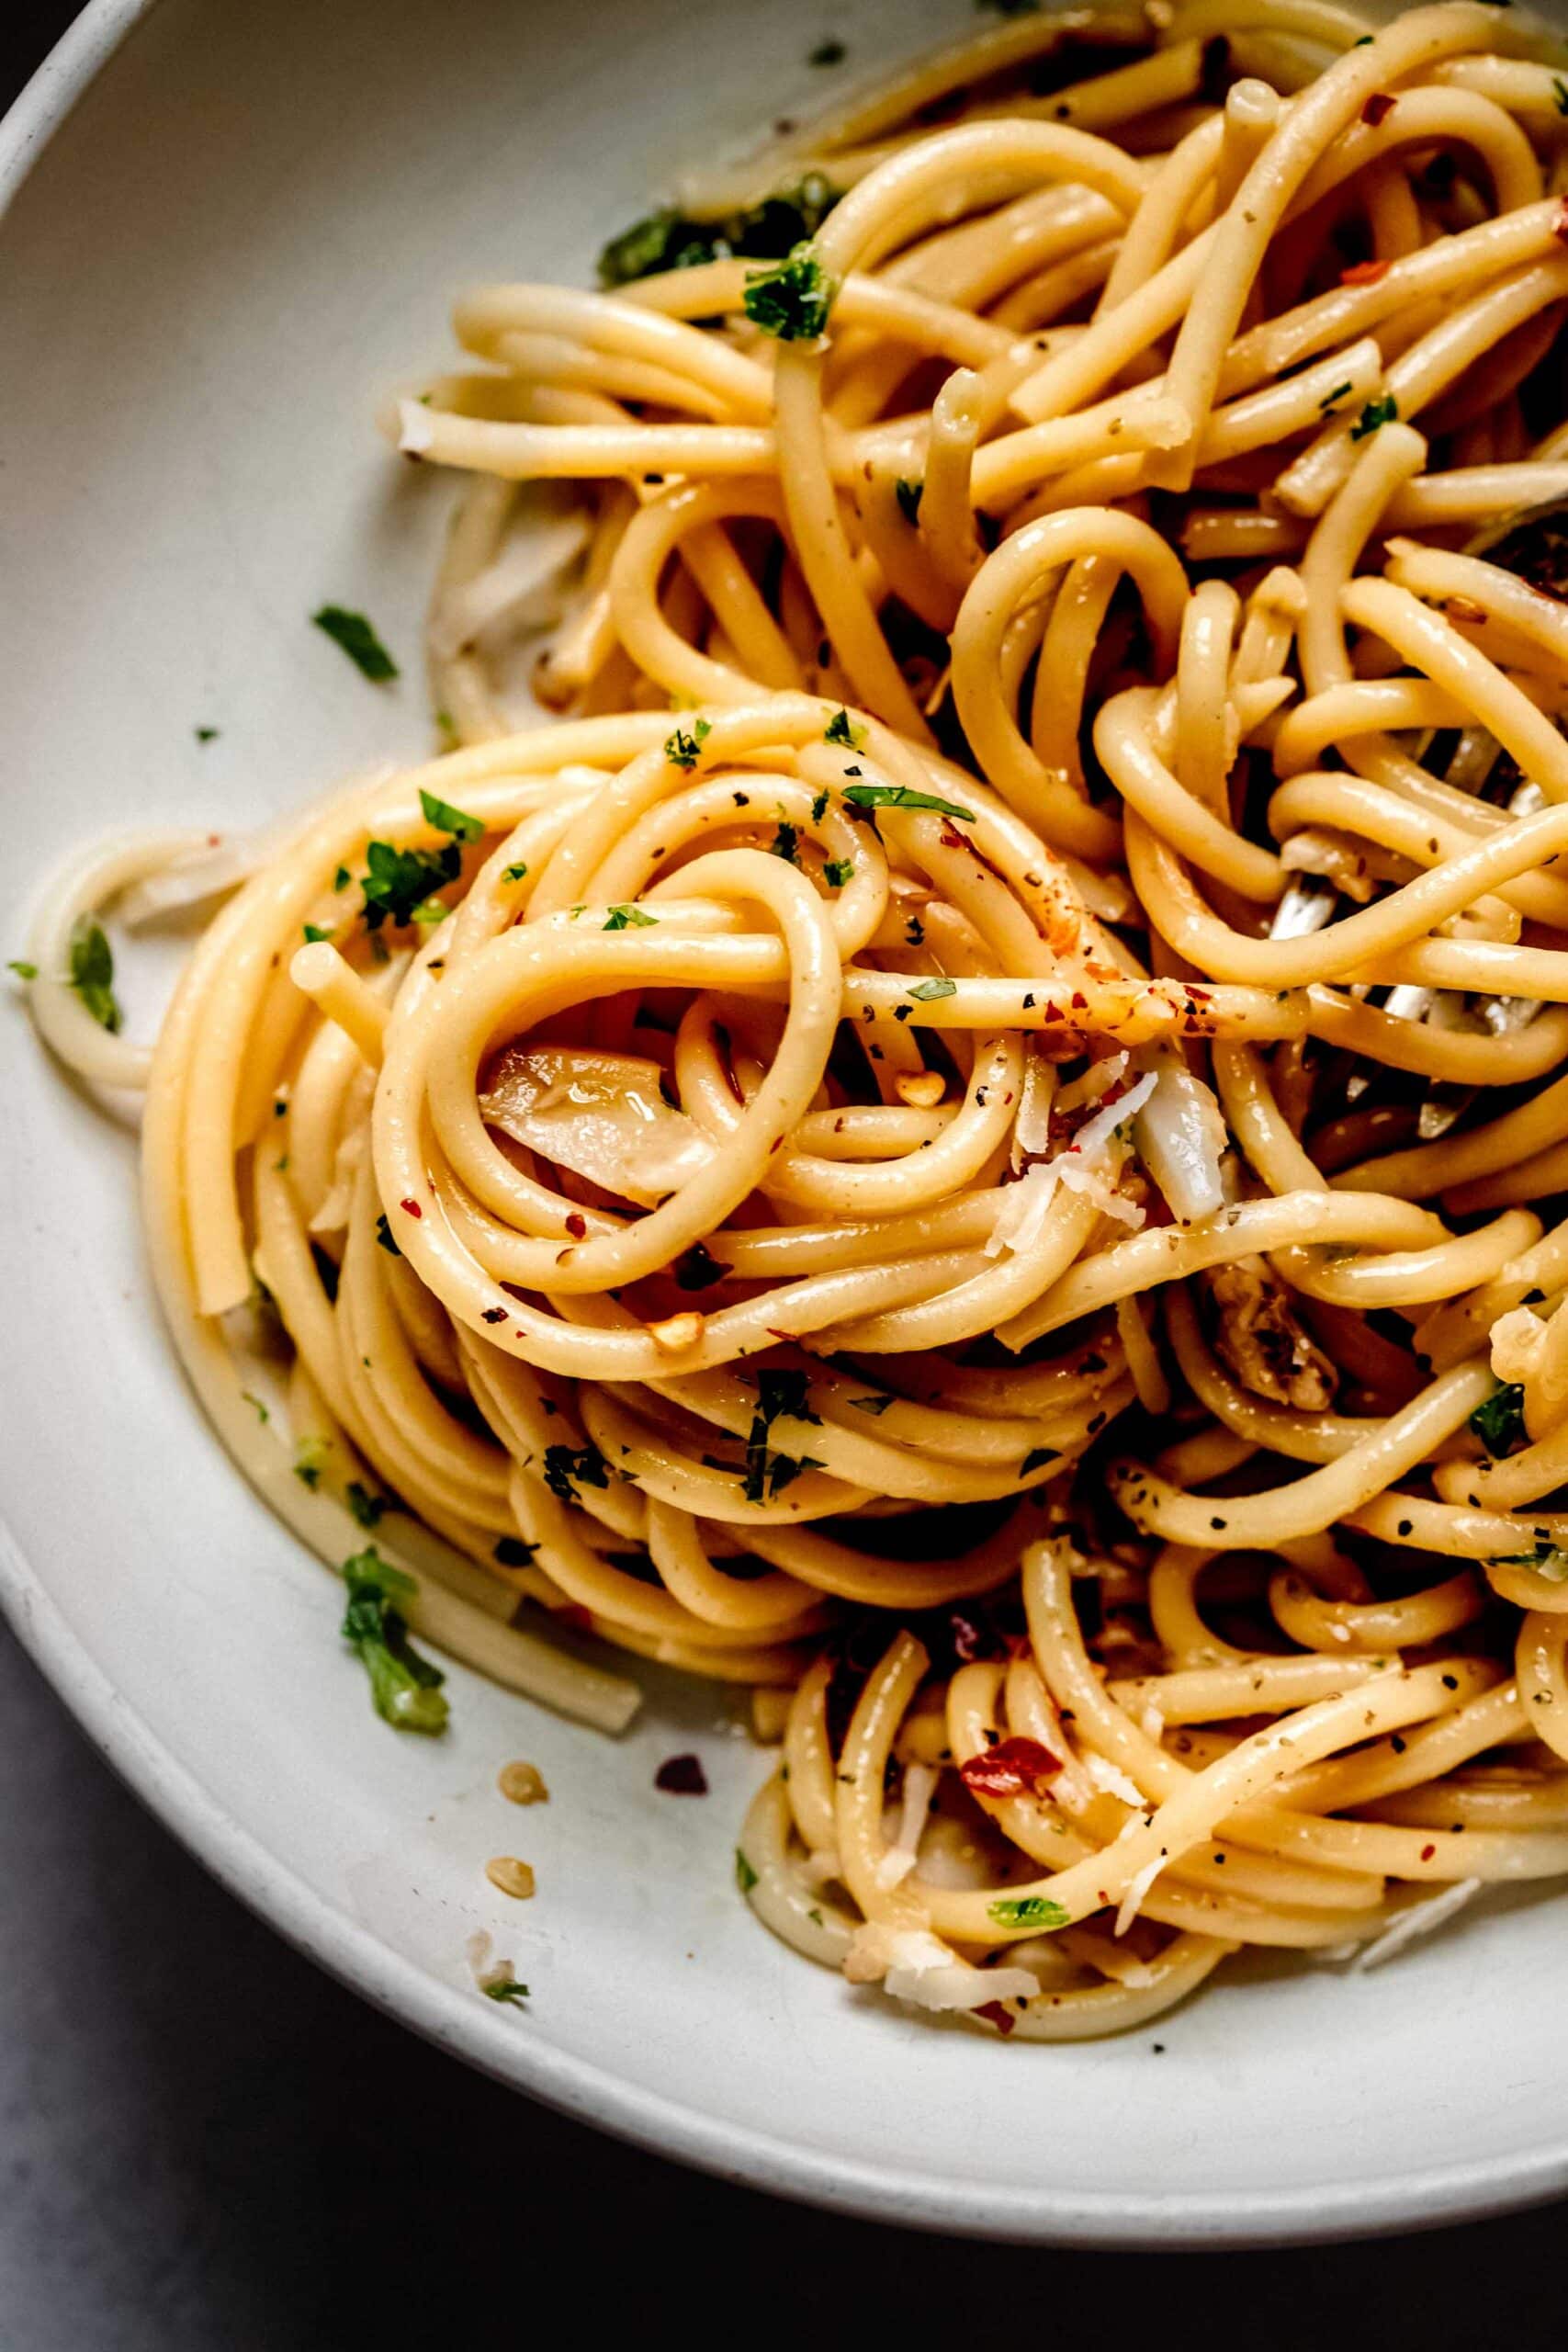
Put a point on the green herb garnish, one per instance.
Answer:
(1548, 1560)
(927, 991)
(785, 843)
(313, 932)
(671, 240)
(358, 640)
(628, 919)
(205, 734)
(781, 1397)
(792, 299)
(901, 796)
(1028, 1911)
(447, 820)
(310, 1461)
(910, 494)
(871, 1404)
(827, 53)
(512, 873)
(1500, 1422)
(92, 973)
(24, 970)
(564, 1465)
(837, 871)
(384, 1236)
(745, 1876)
(405, 1687)
(1327, 404)
(402, 881)
(681, 750)
(1376, 413)
(368, 1509)
(506, 1989)
(841, 728)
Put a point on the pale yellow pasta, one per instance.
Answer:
(975, 1141)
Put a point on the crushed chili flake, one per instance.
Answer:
(576, 1225)
(1013, 1768)
(682, 1776)
(572, 1613)
(495, 1315)
(997, 2012)
(410, 1208)
(1378, 108)
(1365, 273)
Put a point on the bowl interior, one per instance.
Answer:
(253, 223)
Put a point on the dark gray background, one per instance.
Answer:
(205, 2143)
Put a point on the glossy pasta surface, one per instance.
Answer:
(977, 1141)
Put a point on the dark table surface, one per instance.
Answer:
(204, 2142)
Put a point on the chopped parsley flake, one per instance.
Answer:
(514, 873)
(784, 844)
(745, 1876)
(506, 1989)
(781, 1397)
(1376, 413)
(1500, 1422)
(1560, 92)
(841, 728)
(205, 734)
(24, 970)
(257, 1405)
(628, 919)
(791, 300)
(368, 1509)
(92, 973)
(910, 494)
(901, 796)
(670, 240)
(309, 1460)
(358, 640)
(820, 808)
(871, 1404)
(404, 1688)
(927, 991)
(341, 878)
(384, 1236)
(402, 882)
(828, 52)
(681, 750)
(313, 932)
(1548, 1560)
(1028, 1911)
(1328, 404)
(563, 1465)
(837, 872)
(447, 820)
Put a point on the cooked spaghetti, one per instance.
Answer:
(977, 1139)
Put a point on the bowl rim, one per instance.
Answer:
(324, 1932)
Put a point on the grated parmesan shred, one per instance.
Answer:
(1419, 1919)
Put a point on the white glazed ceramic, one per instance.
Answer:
(248, 220)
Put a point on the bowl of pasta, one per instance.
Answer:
(788, 1070)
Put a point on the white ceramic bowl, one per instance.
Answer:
(244, 222)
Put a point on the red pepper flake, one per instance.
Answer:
(495, 1315)
(411, 1209)
(572, 1613)
(1014, 1768)
(682, 1776)
(1378, 108)
(576, 1225)
(953, 839)
(997, 2012)
(1365, 273)
(1428, 1852)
